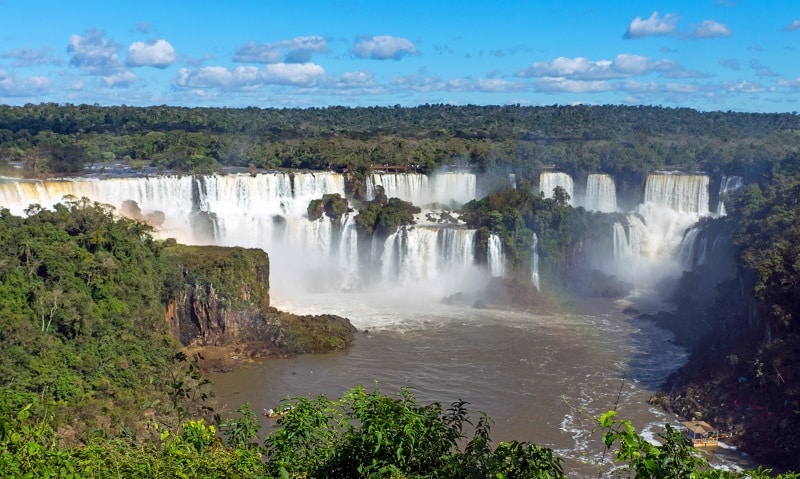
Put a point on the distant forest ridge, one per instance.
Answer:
(621, 140)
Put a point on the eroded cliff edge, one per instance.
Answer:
(218, 301)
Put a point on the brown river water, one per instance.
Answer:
(542, 377)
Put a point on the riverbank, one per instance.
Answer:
(751, 411)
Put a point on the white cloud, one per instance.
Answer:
(357, 79)
(682, 88)
(158, 53)
(247, 77)
(794, 26)
(301, 74)
(655, 25)
(622, 66)
(563, 85)
(12, 86)
(120, 79)
(711, 29)
(790, 83)
(296, 50)
(218, 77)
(94, 54)
(744, 87)
(383, 47)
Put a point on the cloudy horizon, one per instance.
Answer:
(709, 55)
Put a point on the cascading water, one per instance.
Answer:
(549, 180)
(680, 193)
(496, 256)
(727, 185)
(268, 211)
(443, 188)
(646, 245)
(601, 193)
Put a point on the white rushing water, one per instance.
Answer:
(447, 188)
(549, 180)
(601, 193)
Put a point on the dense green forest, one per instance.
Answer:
(625, 141)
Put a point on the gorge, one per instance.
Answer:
(394, 285)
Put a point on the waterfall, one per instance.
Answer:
(512, 181)
(535, 262)
(692, 252)
(681, 193)
(421, 253)
(457, 247)
(548, 180)
(601, 193)
(411, 187)
(727, 185)
(348, 252)
(496, 257)
(444, 188)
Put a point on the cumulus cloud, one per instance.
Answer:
(121, 79)
(155, 53)
(97, 56)
(744, 87)
(711, 29)
(296, 50)
(94, 54)
(655, 25)
(299, 74)
(12, 86)
(356, 79)
(582, 69)
(794, 26)
(218, 77)
(250, 77)
(383, 47)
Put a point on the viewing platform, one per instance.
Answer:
(701, 433)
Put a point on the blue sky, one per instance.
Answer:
(738, 55)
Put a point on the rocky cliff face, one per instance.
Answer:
(219, 297)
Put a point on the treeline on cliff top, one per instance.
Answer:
(621, 140)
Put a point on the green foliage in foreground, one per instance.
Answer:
(362, 434)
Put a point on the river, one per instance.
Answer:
(542, 377)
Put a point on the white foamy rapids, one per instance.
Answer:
(549, 180)
(496, 257)
(444, 188)
(601, 193)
